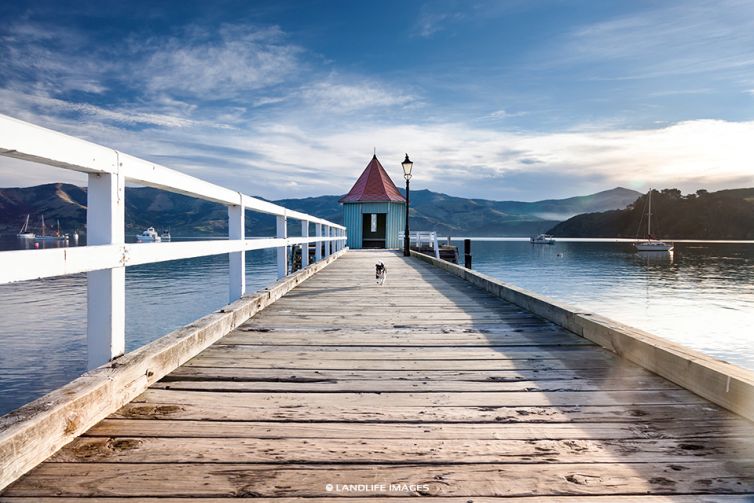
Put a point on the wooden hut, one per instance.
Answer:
(374, 210)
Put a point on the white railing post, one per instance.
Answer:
(106, 289)
(305, 246)
(318, 251)
(327, 243)
(436, 245)
(237, 260)
(282, 233)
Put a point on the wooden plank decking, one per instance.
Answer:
(427, 384)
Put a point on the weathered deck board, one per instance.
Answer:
(427, 380)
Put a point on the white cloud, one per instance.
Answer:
(43, 59)
(343, 94)
(285, 158)
(219, 65)
(430, 22)
(90, 112)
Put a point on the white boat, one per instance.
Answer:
(24, 232)
(148, 236)
(165, 235)
(542, 239)
(651, 244)
(56, 236)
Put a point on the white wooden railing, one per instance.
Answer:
(106, 254)
(419, 238)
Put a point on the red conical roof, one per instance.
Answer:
(373, 186)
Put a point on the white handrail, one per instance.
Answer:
(107, 255)
(420, 237)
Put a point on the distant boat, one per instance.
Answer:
(55, 236)
(148, 236)
(24, 232)
(165, 235)
(651, 244)
(542, 239)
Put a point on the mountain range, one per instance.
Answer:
(186, 216)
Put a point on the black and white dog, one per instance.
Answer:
(380, 272)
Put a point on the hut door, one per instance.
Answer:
(374, 227)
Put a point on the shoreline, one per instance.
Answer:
(597, 240)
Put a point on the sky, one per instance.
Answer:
(506, 99)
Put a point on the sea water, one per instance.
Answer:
(701, 295)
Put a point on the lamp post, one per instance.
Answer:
(407, 165)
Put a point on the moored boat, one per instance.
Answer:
(24, 233)
(148, 236)
(542, 239)
(652, 244)
(55, 236)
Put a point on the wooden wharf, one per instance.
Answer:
(443, 383)
(427, 386)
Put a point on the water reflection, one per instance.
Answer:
(43, 322)
(702, 295)
(655, 257)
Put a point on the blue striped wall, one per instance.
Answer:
(395, 222)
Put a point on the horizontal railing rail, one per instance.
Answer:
(419, 238)
(106, 255)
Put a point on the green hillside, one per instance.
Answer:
(726, 214)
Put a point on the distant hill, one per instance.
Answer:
(481, 217)
(186, 216)
(726, 214)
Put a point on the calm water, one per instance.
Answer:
(703, 297)
(43, 322)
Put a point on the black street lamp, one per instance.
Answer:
(407, 165)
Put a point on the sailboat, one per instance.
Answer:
(57, 236)
(651, 244)
(24, 232)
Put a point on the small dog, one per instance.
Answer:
(380, 272)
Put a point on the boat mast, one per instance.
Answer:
(649, 216)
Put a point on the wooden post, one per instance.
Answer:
(305, 246)
(467, 253)
(318, 251)
(237, 265)
(282, 232)
(106, 289)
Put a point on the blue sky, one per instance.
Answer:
(497, 99)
